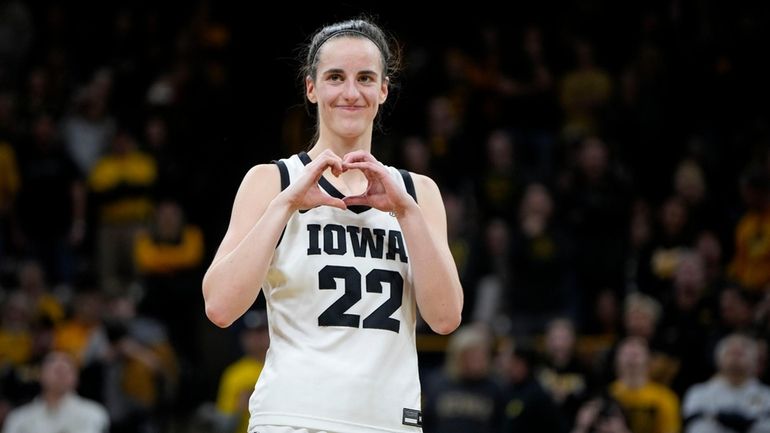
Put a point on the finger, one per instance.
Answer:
(356, 200)
(365, 166)
(335, 202)
(359, 155)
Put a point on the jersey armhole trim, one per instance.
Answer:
(284, 173)
(408, 183)
(284, 184)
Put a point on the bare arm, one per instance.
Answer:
(260, 213)
(437, 283)
(232, 282)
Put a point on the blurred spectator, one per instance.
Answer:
(690, 185)
(736, 312)
(464, 397)
(685, 325)
(542, 272)
(82, 333)
(584, 94)
(139, 371)
(562, 374)
(47, 309)
(650, 407)
(58, 408)
(167, 255)
(750, 264)
(531, 102)
(661, 257)
(239, 378)
(500, 186)
(121, 184)
(51, 212)
(733, 400)
(594, 201)
(16, 333)
(89, 129)
(529, 407)
(492, 291)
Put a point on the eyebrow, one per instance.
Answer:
(341, 71)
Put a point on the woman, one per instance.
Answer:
(346, 250)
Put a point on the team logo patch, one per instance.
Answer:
(412, 417)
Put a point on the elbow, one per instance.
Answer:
(216, 311)
(446, 325)
(218, 316)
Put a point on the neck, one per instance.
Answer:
(341, 145)
(53, 399)
(735, 379)
(634, 381)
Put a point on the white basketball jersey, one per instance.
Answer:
(342, 316)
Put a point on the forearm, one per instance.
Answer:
(233, 281)
(437, 286)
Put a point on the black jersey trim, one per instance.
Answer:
(408, 183)
(329, 188)
(284, 173)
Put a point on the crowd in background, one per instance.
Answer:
(605, 172)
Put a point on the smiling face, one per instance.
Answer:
(348, 87)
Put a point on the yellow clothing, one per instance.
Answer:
(9, 176)
(143, 384)
(50, 307)
(15, 347)
(652, 408)
(153, 257)
(72, 337)
(235, 387)
(583, 91)
(135, 170)
(751, 263)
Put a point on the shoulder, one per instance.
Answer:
(426, 188)
(261, 178)
(262, 172)
(21, 413)
(92, 408)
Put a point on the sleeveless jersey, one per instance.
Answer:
(342, 318)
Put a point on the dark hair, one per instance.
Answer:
(362, 27)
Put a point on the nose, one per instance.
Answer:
(350, 92)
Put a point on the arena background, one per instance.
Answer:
(674, 90)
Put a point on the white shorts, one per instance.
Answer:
(283, 429)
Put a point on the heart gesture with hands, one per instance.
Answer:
(382, 191)
(305, 192)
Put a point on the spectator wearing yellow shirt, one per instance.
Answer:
(167, 255)
(239, 378)
(750, 265)
(121, 184)
(649, 406)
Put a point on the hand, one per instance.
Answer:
(382, 192)
(304, 193)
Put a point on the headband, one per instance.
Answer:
(334, 33)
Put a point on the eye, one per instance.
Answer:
(335, 77)
(366, 78)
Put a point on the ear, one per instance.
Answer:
(310, 90)
(384, 86)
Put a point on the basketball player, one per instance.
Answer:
(346, 250)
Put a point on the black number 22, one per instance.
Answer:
(380, 318)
